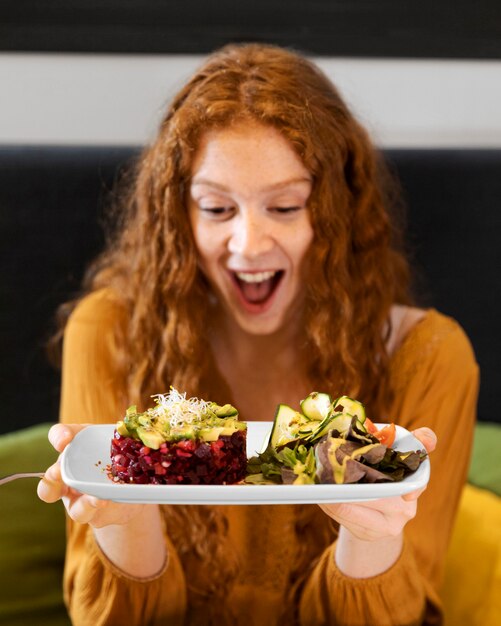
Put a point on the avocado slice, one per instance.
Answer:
(122, 430)
(150, 437)
(227, 410)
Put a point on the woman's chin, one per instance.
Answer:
(257, 327)
(262, 320)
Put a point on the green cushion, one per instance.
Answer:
(32, 536)
(485, 467)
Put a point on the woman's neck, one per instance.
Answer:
(246, 350)
(260, 371)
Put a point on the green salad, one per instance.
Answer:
(329, 442)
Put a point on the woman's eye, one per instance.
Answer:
(217, 211)
(287, 209)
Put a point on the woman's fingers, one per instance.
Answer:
(86, 509)
(83, 508)
(413, 495)
(60, 435)
(375, 519)
(51, 488)
(427, 437)
(343, 517)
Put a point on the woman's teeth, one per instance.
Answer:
(257, 287)
(255, 277)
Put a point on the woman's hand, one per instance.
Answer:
(131, 535)
(374, 529)
(82, 508)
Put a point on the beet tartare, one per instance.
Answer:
(180, 441)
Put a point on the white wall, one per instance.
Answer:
(100, 99)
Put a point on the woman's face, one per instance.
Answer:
(248, 209)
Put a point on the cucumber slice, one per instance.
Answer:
(344, 404)
(286, 426)
(327, 424)
(316, 406)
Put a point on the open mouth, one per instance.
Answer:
(257, 288)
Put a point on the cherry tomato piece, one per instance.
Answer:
(386, 435)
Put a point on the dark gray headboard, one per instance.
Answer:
(51, 205)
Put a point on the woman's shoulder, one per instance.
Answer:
(101, 307)
(435, 342)
(98, 318)
(434, 331)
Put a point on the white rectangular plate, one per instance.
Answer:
(84, 461)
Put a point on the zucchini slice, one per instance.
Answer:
(309, 427)
(344, 404)
(316, 406)
(333, 420)
(286, 426)
(342, 424)
(344, 409)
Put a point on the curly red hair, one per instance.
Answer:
(356, 265)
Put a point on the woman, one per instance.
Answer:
(257, 261)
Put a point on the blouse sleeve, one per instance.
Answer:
(97, 592)
(436, 380)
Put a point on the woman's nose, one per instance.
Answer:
(250, 236)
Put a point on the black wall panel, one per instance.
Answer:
(366, 28)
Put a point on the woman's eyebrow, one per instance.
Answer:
(273, 187)
(209, 183)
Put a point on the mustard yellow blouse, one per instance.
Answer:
(436, 380)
